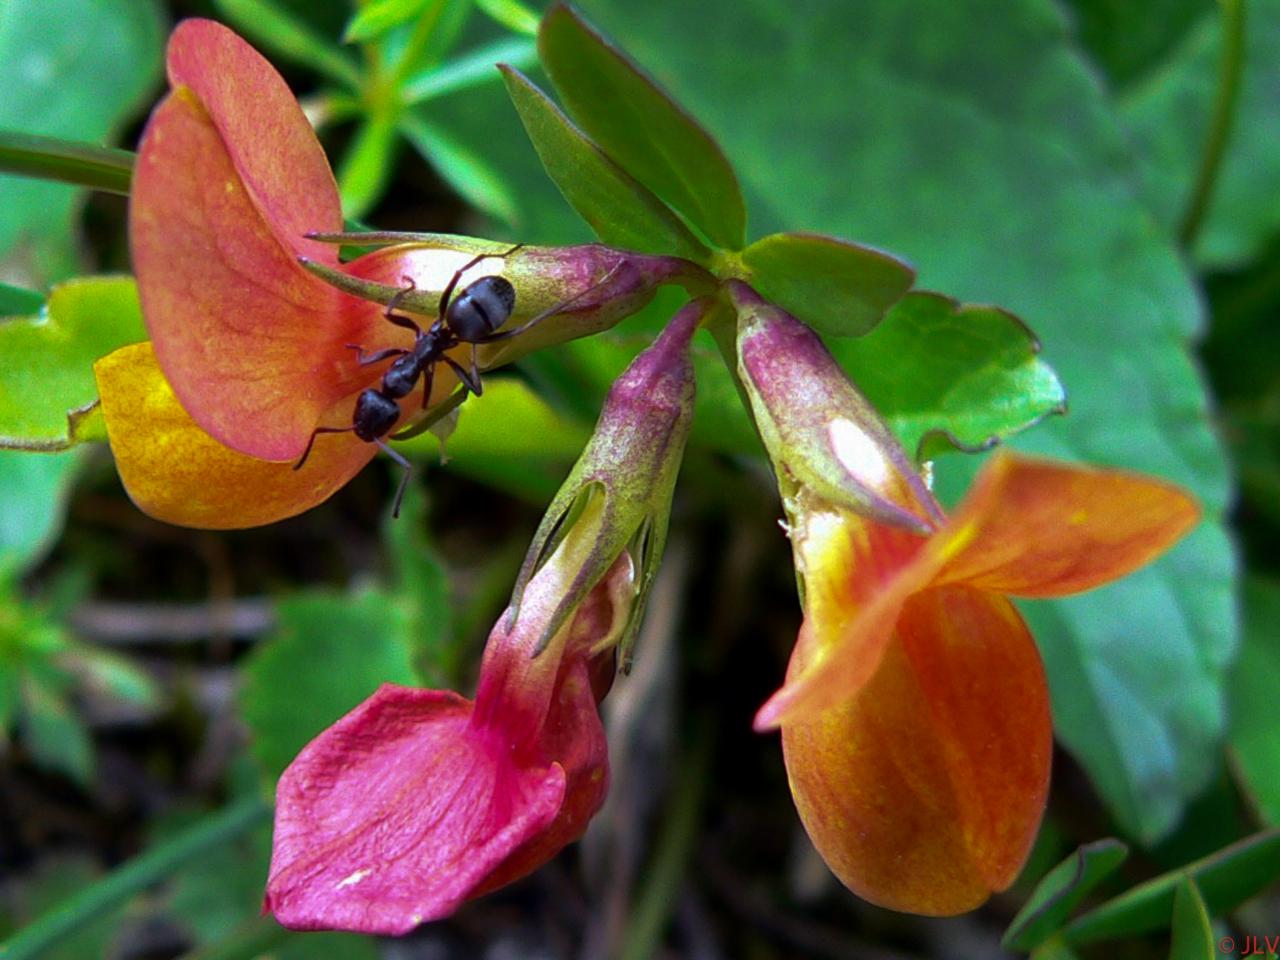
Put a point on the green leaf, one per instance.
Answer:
(945, 373)
(511, 14)
(839, 288)
(619, 209)
(51, 730)
(478, 66)
(77, 70)
(34, 488)
(1226, 879)
(512, 439)
(329, 653)
(467, 171)
(1168, 115)
(375, 18)
(1053, 950)
(1129, 39)
(1192, 934)
(1061, 891)
(420, 581)
(365, 170)
(14, 301)
(66, 161)
(46, 361)
(1253, 699)
(641, 128)
(57, 877)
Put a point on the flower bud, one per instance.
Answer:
(821, 433)
(580, 290)
(625, 478)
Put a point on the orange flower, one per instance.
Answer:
(915, 717)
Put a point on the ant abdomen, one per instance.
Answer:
(375, 415)
(481, 308)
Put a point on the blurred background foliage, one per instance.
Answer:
(1048, 157)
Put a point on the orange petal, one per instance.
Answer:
(176, 472)
(229, 175)
(857, 573)
(923, 792)
(1042, 529)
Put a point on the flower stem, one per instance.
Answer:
(67, 161)
(138, 874)
(1230, 69)
(665, 875)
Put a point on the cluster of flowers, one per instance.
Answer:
(915, 718)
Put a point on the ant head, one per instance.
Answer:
(481, 308)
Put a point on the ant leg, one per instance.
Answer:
(310, 443)
(550, 312)
(453, 282)
(399, 319)
(364, 359)
(428, 381)
(404, 481)
(470, 378)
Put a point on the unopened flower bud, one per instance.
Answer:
(623, 483)
(821, 433)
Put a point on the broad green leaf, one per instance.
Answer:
(641, 127)
(1061, 891)
(329, 653)
(1225, 879)
(1192, 934)
(839, 288)
(14, 301)
(374, 19)
(34, 488)
(284, 33)
(619, 209)
(46, 361)
(76, 69)
(510, 438)
(468, 172)
(1168, 113)
(944, 374)
(1254, 739)
(52, 731)
(1129, 39)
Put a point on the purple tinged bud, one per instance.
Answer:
(624, 481)
(821, 433)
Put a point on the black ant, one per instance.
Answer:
(473, 317)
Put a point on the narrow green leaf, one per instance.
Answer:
(1253, 699)
(53, 732)
(291, 38)
(17, 302)
(839, 288)
(1054, 950)
(1192, 935)
(641, 127)
(66, 161)
(467, 171)
(420, 584)
(945, 373)
(1226, 878)
(1061, 891)
(471, 69)
(378, 16)
(46, 361)
(511, 14)
(619, 209)
(366, 169)
(329, 653)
